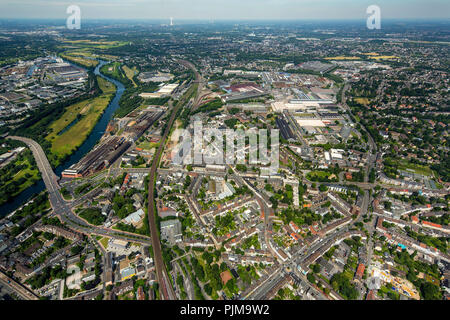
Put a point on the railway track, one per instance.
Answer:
(166, 289)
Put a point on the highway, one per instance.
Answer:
(62, 208)
(49, 177)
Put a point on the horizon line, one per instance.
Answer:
(230, 19)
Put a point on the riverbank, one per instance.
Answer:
(90, 141)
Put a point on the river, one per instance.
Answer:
(87, 145)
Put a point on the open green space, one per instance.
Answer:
(130, 73)
(17, 176)
(88, 63)
(88, 113)
(115, 71)
(106, 86)
(417, 168)
(94, 44)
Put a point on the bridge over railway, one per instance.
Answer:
(62, 208)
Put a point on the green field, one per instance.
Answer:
(319, 176)
(80, 60)
(130, 73)
(87, 53)
(104, 242)
(147, 145)
(106, 86)
(363, 101)
(417, 168)
(112, 69)
(100, 44)
(88, 112)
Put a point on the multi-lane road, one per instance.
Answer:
(64, 211)
(62, 208)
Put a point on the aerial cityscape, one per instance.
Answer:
(200, 158)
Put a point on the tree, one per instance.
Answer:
(430, 291)
(76, 250)
(274, 202)
(223, 267)
(208, 289)
(315, 268)
(311, 277)
(187, 182)
(387, 205)
(208, 257)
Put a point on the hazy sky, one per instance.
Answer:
(225, 9)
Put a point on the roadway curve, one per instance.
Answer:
(61, 207)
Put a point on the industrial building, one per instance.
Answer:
(101, 157)
(171, 231)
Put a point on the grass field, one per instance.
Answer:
(95, 44)
(343, 58)
(363, 101)
(106, 86)
(147, 145)
(112, 69)
(89, 42)
(417, 168)
(354, 135)
(130, 73)
(104, 242)
(87, 53)
(80, 60)
(115, 71)
(317, 175)
(89, 112)
(383, 57)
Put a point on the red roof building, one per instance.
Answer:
(360, 271)
(431, 224)
(371, 295)
(140, 294)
